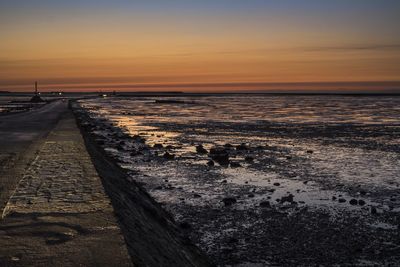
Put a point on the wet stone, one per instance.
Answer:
(265, 204)
(288, 199)
(353, 202)
(158, 146)
(235, 165)
(168, 156)
(229, 201)
(374, 210)
(201, 150)
(249, 159)
(242, 147)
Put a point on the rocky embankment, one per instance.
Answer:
(152, 236)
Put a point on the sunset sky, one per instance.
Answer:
(199, 45)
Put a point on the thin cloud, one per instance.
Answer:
(372, 47)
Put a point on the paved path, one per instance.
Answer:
(59, 214)
(20, 136)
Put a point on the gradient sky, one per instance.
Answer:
(199, 45)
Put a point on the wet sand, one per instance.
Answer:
(294, 194)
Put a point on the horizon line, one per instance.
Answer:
(259, 86)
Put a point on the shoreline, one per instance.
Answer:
(152, 235)
(81, 215)
(280, 187)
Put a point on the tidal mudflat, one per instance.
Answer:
(266, 180)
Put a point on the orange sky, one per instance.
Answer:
(123, 48)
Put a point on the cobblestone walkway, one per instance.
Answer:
(61, 179)
(59, 214)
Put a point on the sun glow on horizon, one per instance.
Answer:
(83, 45)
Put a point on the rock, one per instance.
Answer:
(168, 156)
(196, 196)
(219, 155)
(353, 202)
(201, 150)
(227, 145)
(233, 240)
(310, 151)
(265, 204)
(288, 199)
(222, 159)
(169, 147)
(136, 137)
(251, 195)
(229, 201)
(185, 225)
(342, 200)
(217, 151)
(277, 184)
(210, 163)
(334, 198)
(100, 142)
(361, 202)
(249, 159)
(158, 146)
(242, 147)
(235, 165)
(288, 157)
(224, 181)
(363, 193)
(374, 210)
(136, 153)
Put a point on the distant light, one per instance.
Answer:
(60, 93)
(104, 95)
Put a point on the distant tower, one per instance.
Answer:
(36, 98)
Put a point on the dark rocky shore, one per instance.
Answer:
(263, 202)
(152, 235)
